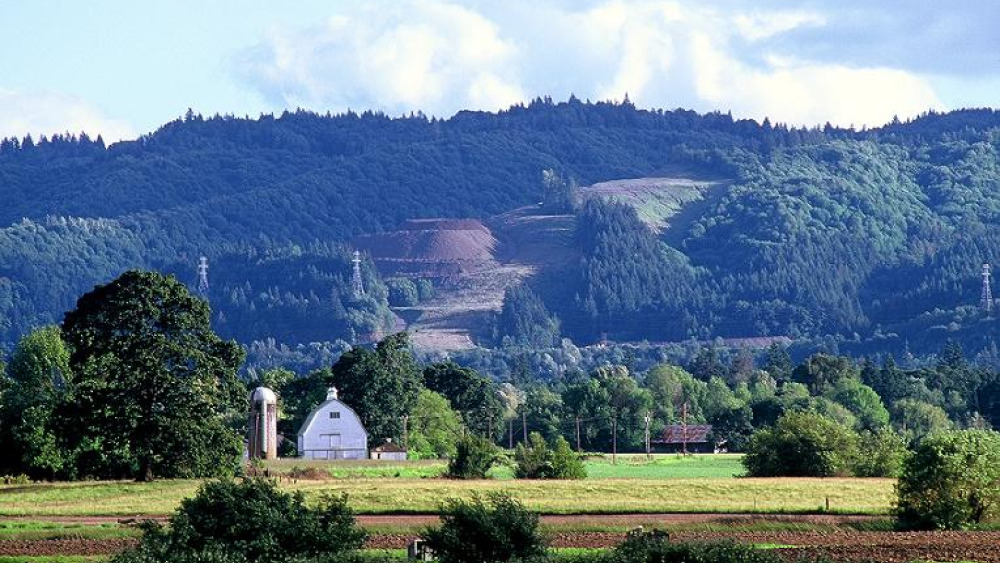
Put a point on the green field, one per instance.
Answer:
(635, 484)
(625, 466)
(379, 495)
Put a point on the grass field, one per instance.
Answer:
(627, 466)
(635, 484)
(402, 495)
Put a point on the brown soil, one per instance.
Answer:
(63, 547)
(464, 240)
(845, 545)
(884, 547)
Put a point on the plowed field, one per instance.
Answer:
(843, 544)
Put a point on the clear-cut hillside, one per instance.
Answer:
(473, 263)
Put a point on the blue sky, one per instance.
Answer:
(122, 68)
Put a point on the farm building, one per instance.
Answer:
(333, 431)
(691, 438)
(262, 442)
(389, 451)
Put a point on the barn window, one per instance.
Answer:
(334, 414)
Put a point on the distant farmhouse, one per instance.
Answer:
(333, 431)
(691, 438)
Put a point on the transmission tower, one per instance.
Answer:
(987, 297)
(356, 281)
(203, 276)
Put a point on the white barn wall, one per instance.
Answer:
(325, 437)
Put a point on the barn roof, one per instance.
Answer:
(312, 416)
(388, 447)
(678, 434)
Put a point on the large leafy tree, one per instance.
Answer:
(952, 480)
(381, 385)
(37, 381)
(802, 444)
(475, 397)
(434, 427)
(156, 389)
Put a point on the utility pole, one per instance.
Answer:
(489, 425)
(684, 428)
(649, 454)
(524, 428)
(578, 449)
(406, 433)
(510, 433)
(986, 300)
(614, 439)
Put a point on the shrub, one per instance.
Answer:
(881, 454)
(950, 481)
(474, 456)
(402, 292)
(802, 444)
(539, 461)
(425, 289)
(498, 529)
(249, 521)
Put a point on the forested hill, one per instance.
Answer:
(822, 231)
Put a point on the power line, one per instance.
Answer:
(357, 282)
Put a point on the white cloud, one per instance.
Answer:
(49, 113)
(440, 57)
(762, 25)
(397, 56)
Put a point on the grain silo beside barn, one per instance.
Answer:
(262, 443)
(333, 431)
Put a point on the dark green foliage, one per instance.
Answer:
(290, 293)
(154, 388)
(821, 372)
(952, 480)
(524, 320)
(474, 457)
(402, 292)
(706, 364)
(802, 444)
(537, 460)
(733, 428)
(36, 383)
(250, 521)
(381, 385)
(898, 218)
(425, 289)
(557, 194)
(472, 395)
(881, 453)
(491, 530)
(778, 362)
(878, 233)
(862, 401)
(628, 282)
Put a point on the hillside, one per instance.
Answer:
(873, 238)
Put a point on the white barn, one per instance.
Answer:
(333, 431)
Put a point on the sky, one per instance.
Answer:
(122, 68)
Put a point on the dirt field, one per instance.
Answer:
(843, 544)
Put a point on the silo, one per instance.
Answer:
(263, 440)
